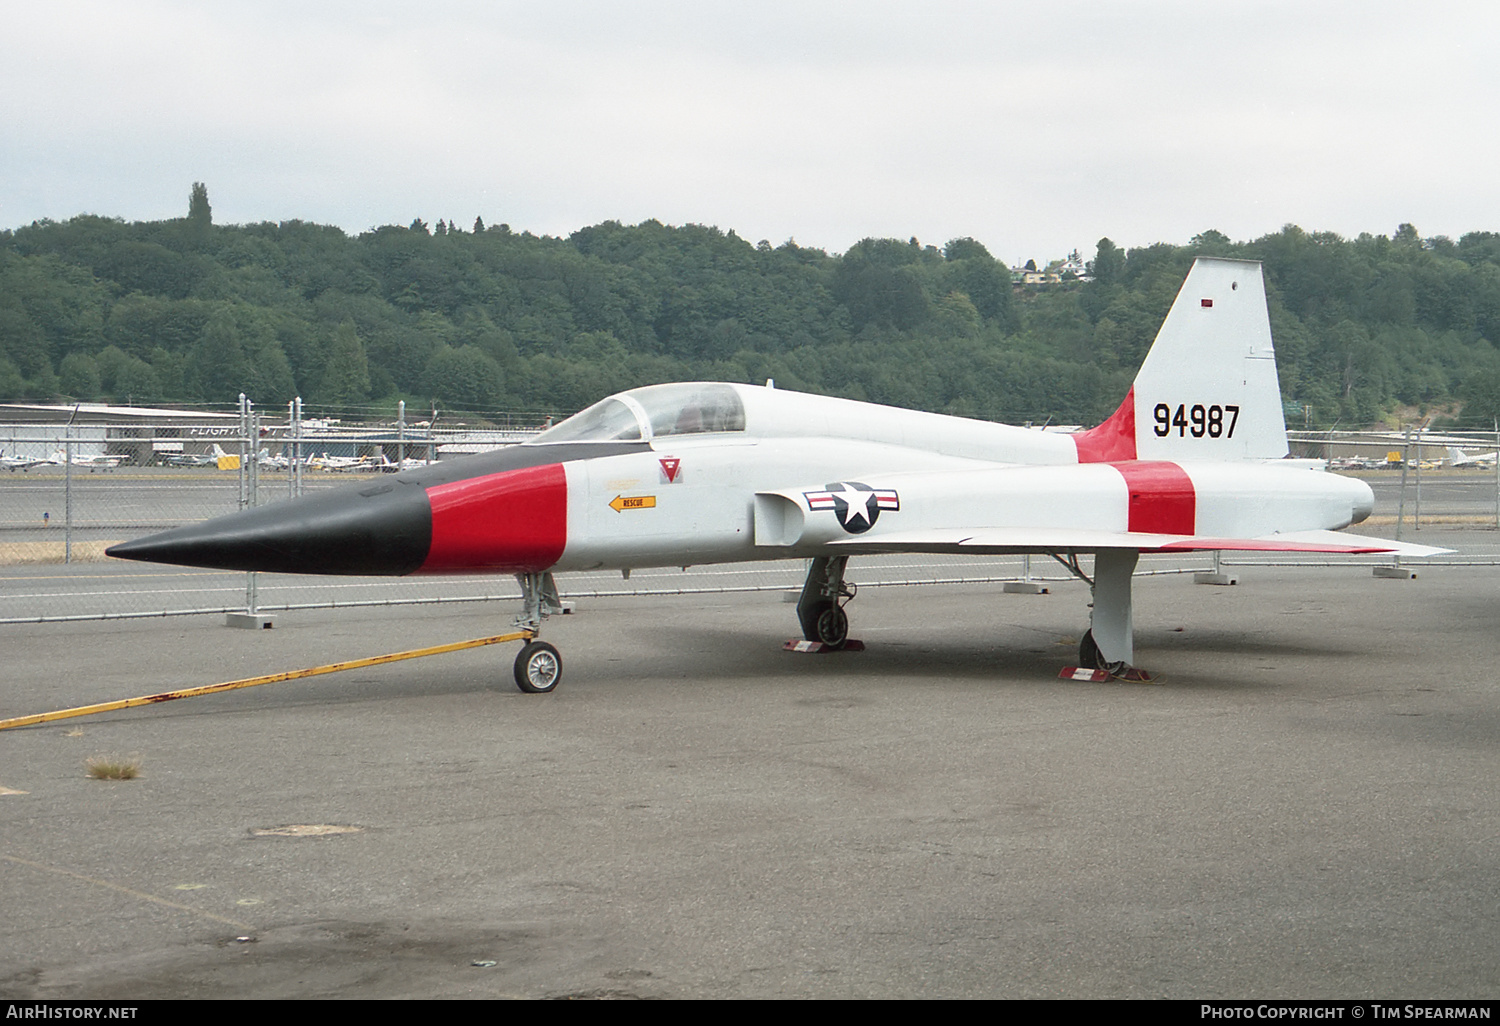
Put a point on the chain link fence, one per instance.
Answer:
(70, 491)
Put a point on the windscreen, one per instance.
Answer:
(605, 421)
(678, 409)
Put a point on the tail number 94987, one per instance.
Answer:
(1197, 420)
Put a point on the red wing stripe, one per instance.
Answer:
(1162, 500)
(1268, 545)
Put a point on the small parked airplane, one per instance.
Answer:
(351, 464)
(190, 459)
(1458, 458)
(93, 463)
(14, 463)
(677, 474)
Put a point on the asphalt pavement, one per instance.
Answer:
(1302, 806)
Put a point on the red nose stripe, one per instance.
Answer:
(1162, 500)
(513, 521)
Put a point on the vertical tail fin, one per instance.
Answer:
(1208, 388)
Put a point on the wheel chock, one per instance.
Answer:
(801, 645)
(1129, 674)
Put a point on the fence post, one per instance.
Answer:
(298, 444)
(68, 491)
(1416, 519)
(1396, 570)
(249, 496)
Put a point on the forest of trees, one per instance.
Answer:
(484, 318)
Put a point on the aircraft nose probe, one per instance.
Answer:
(381, 530)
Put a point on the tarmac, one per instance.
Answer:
(1303, 805)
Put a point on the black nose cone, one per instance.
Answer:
(383, 529)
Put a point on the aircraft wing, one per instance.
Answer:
(1020, 540)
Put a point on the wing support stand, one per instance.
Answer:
(820, 609)
(538, 667)
(1025, 586)
(1216, 575)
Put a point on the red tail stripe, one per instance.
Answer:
(514, 521)
(1114, 439)
(1162, 499)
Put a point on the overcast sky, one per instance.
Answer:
(1034, 127)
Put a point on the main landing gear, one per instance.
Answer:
(538, 667)
(820, 610)
(1108, 647)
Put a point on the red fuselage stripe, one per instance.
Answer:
(1162, 500)
(514, 521)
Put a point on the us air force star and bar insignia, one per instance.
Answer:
(856, 505)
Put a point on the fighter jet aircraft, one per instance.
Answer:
(692, 473)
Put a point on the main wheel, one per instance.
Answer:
(538, 668)
(1088, 653)
(833, 627)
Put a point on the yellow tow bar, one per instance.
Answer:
(250, 682)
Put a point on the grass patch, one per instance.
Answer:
(44, 552)
(112, 767)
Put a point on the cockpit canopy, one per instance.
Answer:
(655, 411)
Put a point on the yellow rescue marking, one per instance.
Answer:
(250, 682)
(621, 502)
(126, 890)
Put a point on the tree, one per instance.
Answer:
(464, 376)
(1108, 263)
(199, 212)
(346, 380)
(78, 376)
(966, 249)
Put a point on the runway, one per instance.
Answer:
(1302, 807)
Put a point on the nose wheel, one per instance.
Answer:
(538, 668)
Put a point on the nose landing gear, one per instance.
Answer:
(538, 667)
